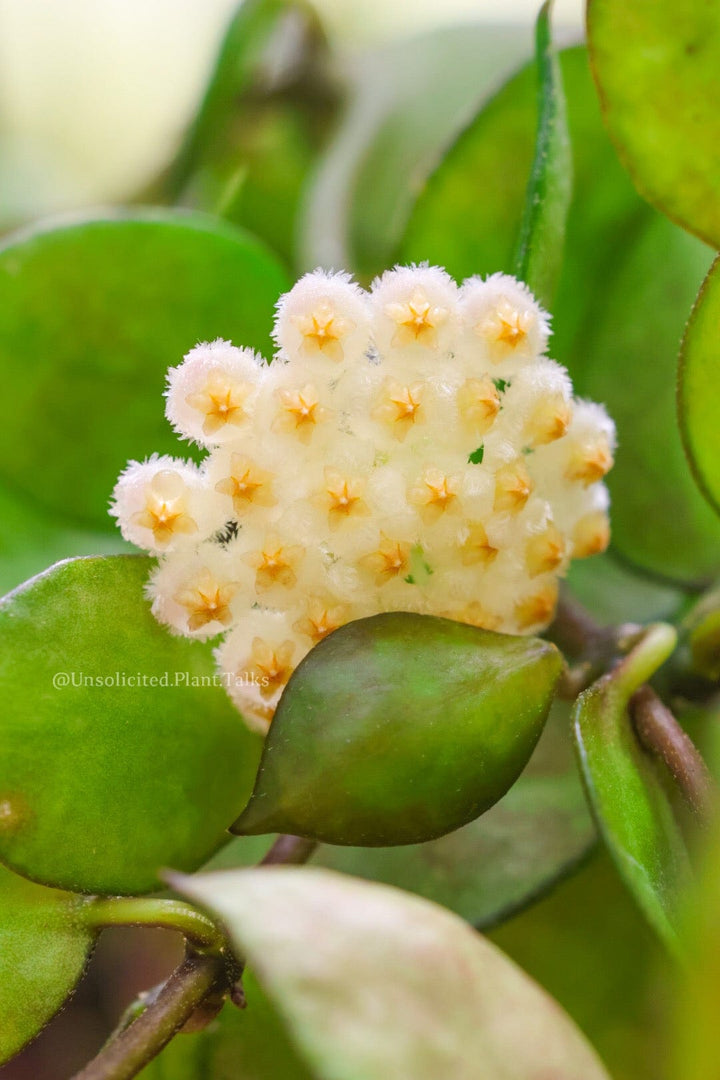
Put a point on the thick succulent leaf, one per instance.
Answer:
(619, 311)
(626, 792)
(373, 983)
(103, 785)
(658, 519)
(537, 834)
(43, 951)
(656, 65)
(542, 233)
(92, 314)
(400, 728)
(406, 100)
(699, 388)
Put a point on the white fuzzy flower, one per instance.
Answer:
(415, 316)
(160, 503)
(211, 395)
(410, 449)
(322, 321)
(503, 321)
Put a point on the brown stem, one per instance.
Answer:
(660, 734)
(289, 851)
(130, 1051)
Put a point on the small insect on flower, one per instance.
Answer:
(409, 448)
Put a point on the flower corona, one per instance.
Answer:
(410, 448)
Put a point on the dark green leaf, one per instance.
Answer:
(656, 65)
(627, 283)
(104, 785)
(400, 728)
(43, 951)
(538, 832)
(626, 793)
(477, 455)
(374, 983)
(542, 233)
(699, 388)
(91, 316)
(535, 835)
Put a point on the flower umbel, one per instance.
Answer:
(411, 448)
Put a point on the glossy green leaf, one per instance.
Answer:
(261, 122)
(538, 833)
(614, 593)
(627, 282)
(400, 728)
(92, 314)
(656, 65)
(43, 951)
(625, 790)
(699, 388)
(103, 785)
(252, 1045)
(542, 233)
(374, 983)
(405, 101)
(658, 519)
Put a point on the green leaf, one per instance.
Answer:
(406, 100)
(43, 951)
(699, 388)
(537, 834)
(659, 519)
(656, 65)
(631, 806)
(252, 1044)
(542, 234)
(372, 982)
(627, 282)
(347, 756)
(103, 785)
(92, 314)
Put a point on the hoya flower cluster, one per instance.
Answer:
(411, 448)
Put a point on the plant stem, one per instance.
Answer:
(130, 1051)
(200, 931)
(289, 851)
(133, 1045)
(661, 735)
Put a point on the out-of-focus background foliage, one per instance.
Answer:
(95, 99)
(94, 94)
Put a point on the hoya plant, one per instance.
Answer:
(379, 654)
